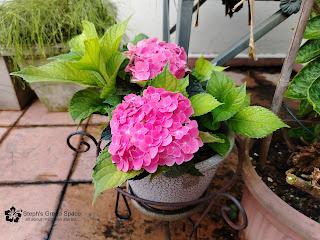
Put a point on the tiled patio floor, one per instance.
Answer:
(41, 176)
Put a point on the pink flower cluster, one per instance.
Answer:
(149, 57)
(153, 130)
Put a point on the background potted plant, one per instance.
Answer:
(50, 25)
(170, 128)
(286, 201)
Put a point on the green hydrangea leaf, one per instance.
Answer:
(313, 28)
(206, 121)
(86, 102)
(204, 68)
(308, 51)
(111, 40)
(113, 100)
(255, 122)
(91, 57)
(247, 101)
(66, 57)
(314, 95)
(208, 137)
(304, 108)
(113, 66)
(76, 44)
(169, 82)
(58, 72)
(233, 100)
(203, 103)
(219, 84)
(298, 87)
(221, 148)
(106, 175)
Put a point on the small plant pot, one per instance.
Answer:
(269, 216)
(180, 189)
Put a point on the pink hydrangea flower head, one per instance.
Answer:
(153, 130)
(150, 56)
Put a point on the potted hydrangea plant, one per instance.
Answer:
(170, 126)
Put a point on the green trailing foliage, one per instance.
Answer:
(33, 28)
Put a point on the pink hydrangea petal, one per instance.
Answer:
(152, 168)
(137, 163)
(153, 152)
(167, 141)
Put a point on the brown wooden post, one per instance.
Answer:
(287, 69)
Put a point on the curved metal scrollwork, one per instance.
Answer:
(79, 148)
(225, 210)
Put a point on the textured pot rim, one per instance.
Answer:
(276, 207)
(216, 159)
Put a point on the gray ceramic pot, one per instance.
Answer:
(181, 189)
(55, 96)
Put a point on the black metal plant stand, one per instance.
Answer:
(207, 201)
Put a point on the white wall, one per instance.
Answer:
(216, 32)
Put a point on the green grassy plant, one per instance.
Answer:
(32, 27)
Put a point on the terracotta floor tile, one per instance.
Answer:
(30, 199)
(39, 153)
(8, 118)
(85, 161)
(37, 114)
(98, 221)
(2, 132)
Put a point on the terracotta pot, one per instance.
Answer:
(270, 218)
(181, 189)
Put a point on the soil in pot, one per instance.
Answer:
(273, 173)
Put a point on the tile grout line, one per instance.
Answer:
(22, 183)
(12, 126)
(51, 125)
(64, 189)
